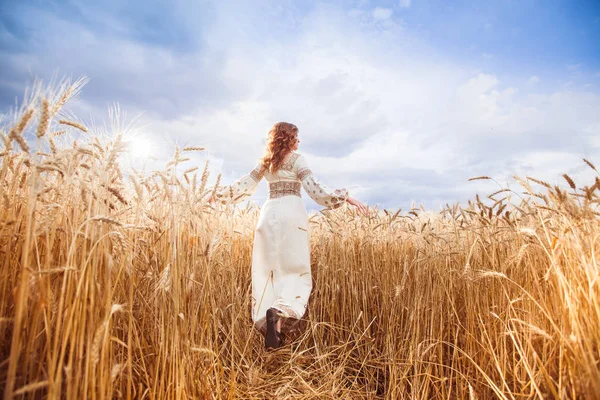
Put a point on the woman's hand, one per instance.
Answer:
(361, 207)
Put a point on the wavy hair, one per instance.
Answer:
(280, 141)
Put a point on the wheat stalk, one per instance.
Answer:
(74, 124)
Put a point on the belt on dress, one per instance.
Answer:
(284, 188)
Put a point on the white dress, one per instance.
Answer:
(281, 275)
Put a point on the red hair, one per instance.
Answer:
(280, 141)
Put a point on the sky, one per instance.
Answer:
(399, 101)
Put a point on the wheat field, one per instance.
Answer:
(119, 284)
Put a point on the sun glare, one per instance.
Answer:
(140, 147)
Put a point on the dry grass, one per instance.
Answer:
(135, 287)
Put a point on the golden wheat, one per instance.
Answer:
(137, 288)
(74, 124)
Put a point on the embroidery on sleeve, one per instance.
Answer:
(303, 173)
(258, 173)
(336, 205)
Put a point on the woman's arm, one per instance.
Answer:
(320, 193)
(242, 188)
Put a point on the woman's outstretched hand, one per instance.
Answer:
(361, 207)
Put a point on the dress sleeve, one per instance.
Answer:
(321, 194)
(242, 188)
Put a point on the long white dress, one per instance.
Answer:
(281, 275)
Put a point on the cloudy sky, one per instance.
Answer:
(398, 101)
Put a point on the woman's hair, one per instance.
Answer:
(280, 141)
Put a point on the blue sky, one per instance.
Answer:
(528, 35)
(398, 101)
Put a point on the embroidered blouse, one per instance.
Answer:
(295, 167)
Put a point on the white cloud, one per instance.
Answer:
(542, 165)
(378, 110)
(533, 80)
(593, 134)
(405, 3)
(382, 14)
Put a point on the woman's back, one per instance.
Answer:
(284, 181)
(287, 172)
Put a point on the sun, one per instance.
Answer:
(140, 146)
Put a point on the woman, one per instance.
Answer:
(281, 275)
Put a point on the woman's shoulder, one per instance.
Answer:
(296, 160)
(296, 157)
